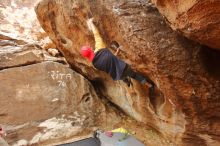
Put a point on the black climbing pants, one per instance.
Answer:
(128, 72)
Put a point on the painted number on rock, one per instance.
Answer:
(60, 77)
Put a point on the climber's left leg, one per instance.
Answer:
(125, 76)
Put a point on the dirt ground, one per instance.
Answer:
(148, 135)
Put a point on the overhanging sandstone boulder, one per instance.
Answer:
(196, 19)
(178, 66)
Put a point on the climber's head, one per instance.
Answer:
(87, 52)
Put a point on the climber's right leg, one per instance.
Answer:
(142, 79)
(137, 76)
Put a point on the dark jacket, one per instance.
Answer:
(105, 61)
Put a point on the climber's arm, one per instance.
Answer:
(116, 53)
(99, 43)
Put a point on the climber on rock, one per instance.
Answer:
(103, 59)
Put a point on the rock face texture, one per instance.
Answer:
(18, 20)
(196, 19)
(42, 100)
(187, 75)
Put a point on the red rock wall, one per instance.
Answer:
(196, 19)
(187, 109)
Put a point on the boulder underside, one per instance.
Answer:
(196, 19)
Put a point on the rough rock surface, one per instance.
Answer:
(51, 93)
(187, 107)
(18, 20)
(13, 53)
(42, 100)
(196, 19)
